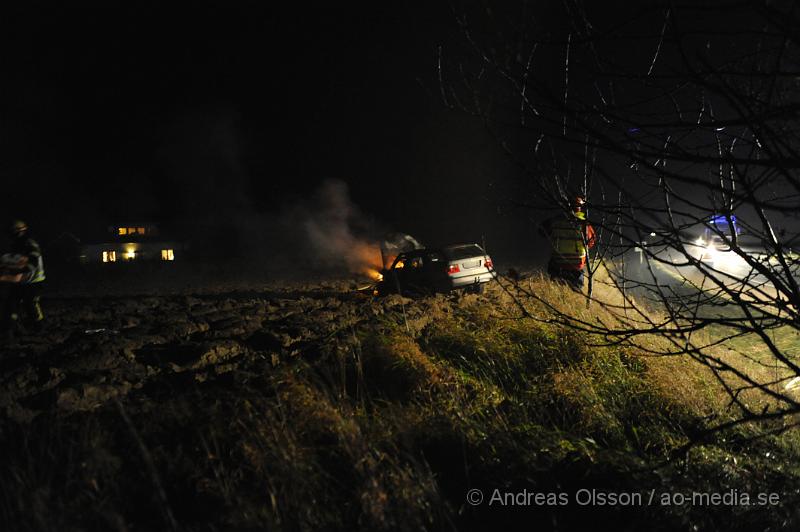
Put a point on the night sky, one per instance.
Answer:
(226, 115)
(202, 113)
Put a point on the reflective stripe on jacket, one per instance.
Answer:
(570, 239)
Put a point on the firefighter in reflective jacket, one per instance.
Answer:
(24, 295)
(570, 237)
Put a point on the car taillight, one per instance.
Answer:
(488, 263)
(453, 268)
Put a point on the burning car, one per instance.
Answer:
(423, 271)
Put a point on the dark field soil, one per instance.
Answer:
(213, 398)
(98, 349)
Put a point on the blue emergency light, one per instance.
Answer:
(722, 220)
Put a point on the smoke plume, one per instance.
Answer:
(338, 235)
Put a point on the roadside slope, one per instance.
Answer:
(307, 408)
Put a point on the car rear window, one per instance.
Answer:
(463, 252)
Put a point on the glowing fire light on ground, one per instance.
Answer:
(375, 275)
(365, 258)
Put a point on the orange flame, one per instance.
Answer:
(365, 258)
(373, 274)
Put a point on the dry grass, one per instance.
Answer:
(390, 427)
(686, 380)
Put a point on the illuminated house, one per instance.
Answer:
(133, 242)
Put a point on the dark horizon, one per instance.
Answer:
(227, 118)
(209, 114)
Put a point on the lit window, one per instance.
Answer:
(122, 231)
(140, 230)
(167, 254)
(109, 256)
(130, 254)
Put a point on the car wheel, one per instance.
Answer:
(382, 289)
